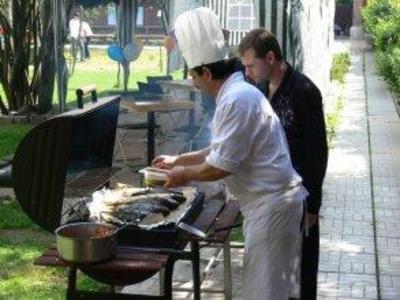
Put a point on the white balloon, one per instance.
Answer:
(131, 52)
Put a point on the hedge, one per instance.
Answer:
(382, 22)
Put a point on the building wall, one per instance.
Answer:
(317, 34)
(303, 27)
(307, 33)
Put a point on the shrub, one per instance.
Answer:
(382, 22)
(387, 33)
(374, 12)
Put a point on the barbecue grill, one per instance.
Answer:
(59, 165)
(62, 161)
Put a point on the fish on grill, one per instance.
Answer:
(172, 201)
(137, 211)
(151, 205)
(177, 197)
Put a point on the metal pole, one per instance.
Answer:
(10, 15)
(284, 28)
(59, 71)
(274, 16)
(56, 60)
(262, 13)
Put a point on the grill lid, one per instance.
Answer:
(61, 152)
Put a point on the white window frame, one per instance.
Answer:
(240, 4)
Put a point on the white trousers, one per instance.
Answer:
(272, 241)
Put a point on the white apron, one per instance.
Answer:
(272, 240)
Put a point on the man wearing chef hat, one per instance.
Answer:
(248, 150)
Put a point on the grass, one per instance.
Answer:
(19, 278)
(12, 216)
(333, 120)
(10, 136)
(237, 233)
(340, 66)
(22, 280)
(102, 71)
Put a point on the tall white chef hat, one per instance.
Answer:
(200, 37)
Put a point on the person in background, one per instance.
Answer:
(298, 103)
(86, 34)
(77, 43)
(248, 150)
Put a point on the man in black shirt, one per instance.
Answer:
(298, 104)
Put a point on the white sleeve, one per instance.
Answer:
(89, 31)
(233, 135)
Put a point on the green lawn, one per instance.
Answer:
(10, 136)
(102, 71)
(21, 242)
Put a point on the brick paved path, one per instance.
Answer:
(360, 236)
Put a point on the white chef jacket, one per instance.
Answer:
(248, 141)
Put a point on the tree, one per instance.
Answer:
(27, 64)
(19, 48)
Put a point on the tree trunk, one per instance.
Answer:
(19, 50)
(47, 69)
(3, 108)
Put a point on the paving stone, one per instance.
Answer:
(390, 293)
(347, 191)
(396, 281)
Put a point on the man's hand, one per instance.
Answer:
(164, 161)
(312, 219)
(177, 177)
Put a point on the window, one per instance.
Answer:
(111, 14)
(140, 17)
(241, 15)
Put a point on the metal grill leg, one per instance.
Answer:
(162, 281)
(121, 147)
(71, 289)
(167, 279)
(196, 269)
(227, 270)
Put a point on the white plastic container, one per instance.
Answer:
(154, 176)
